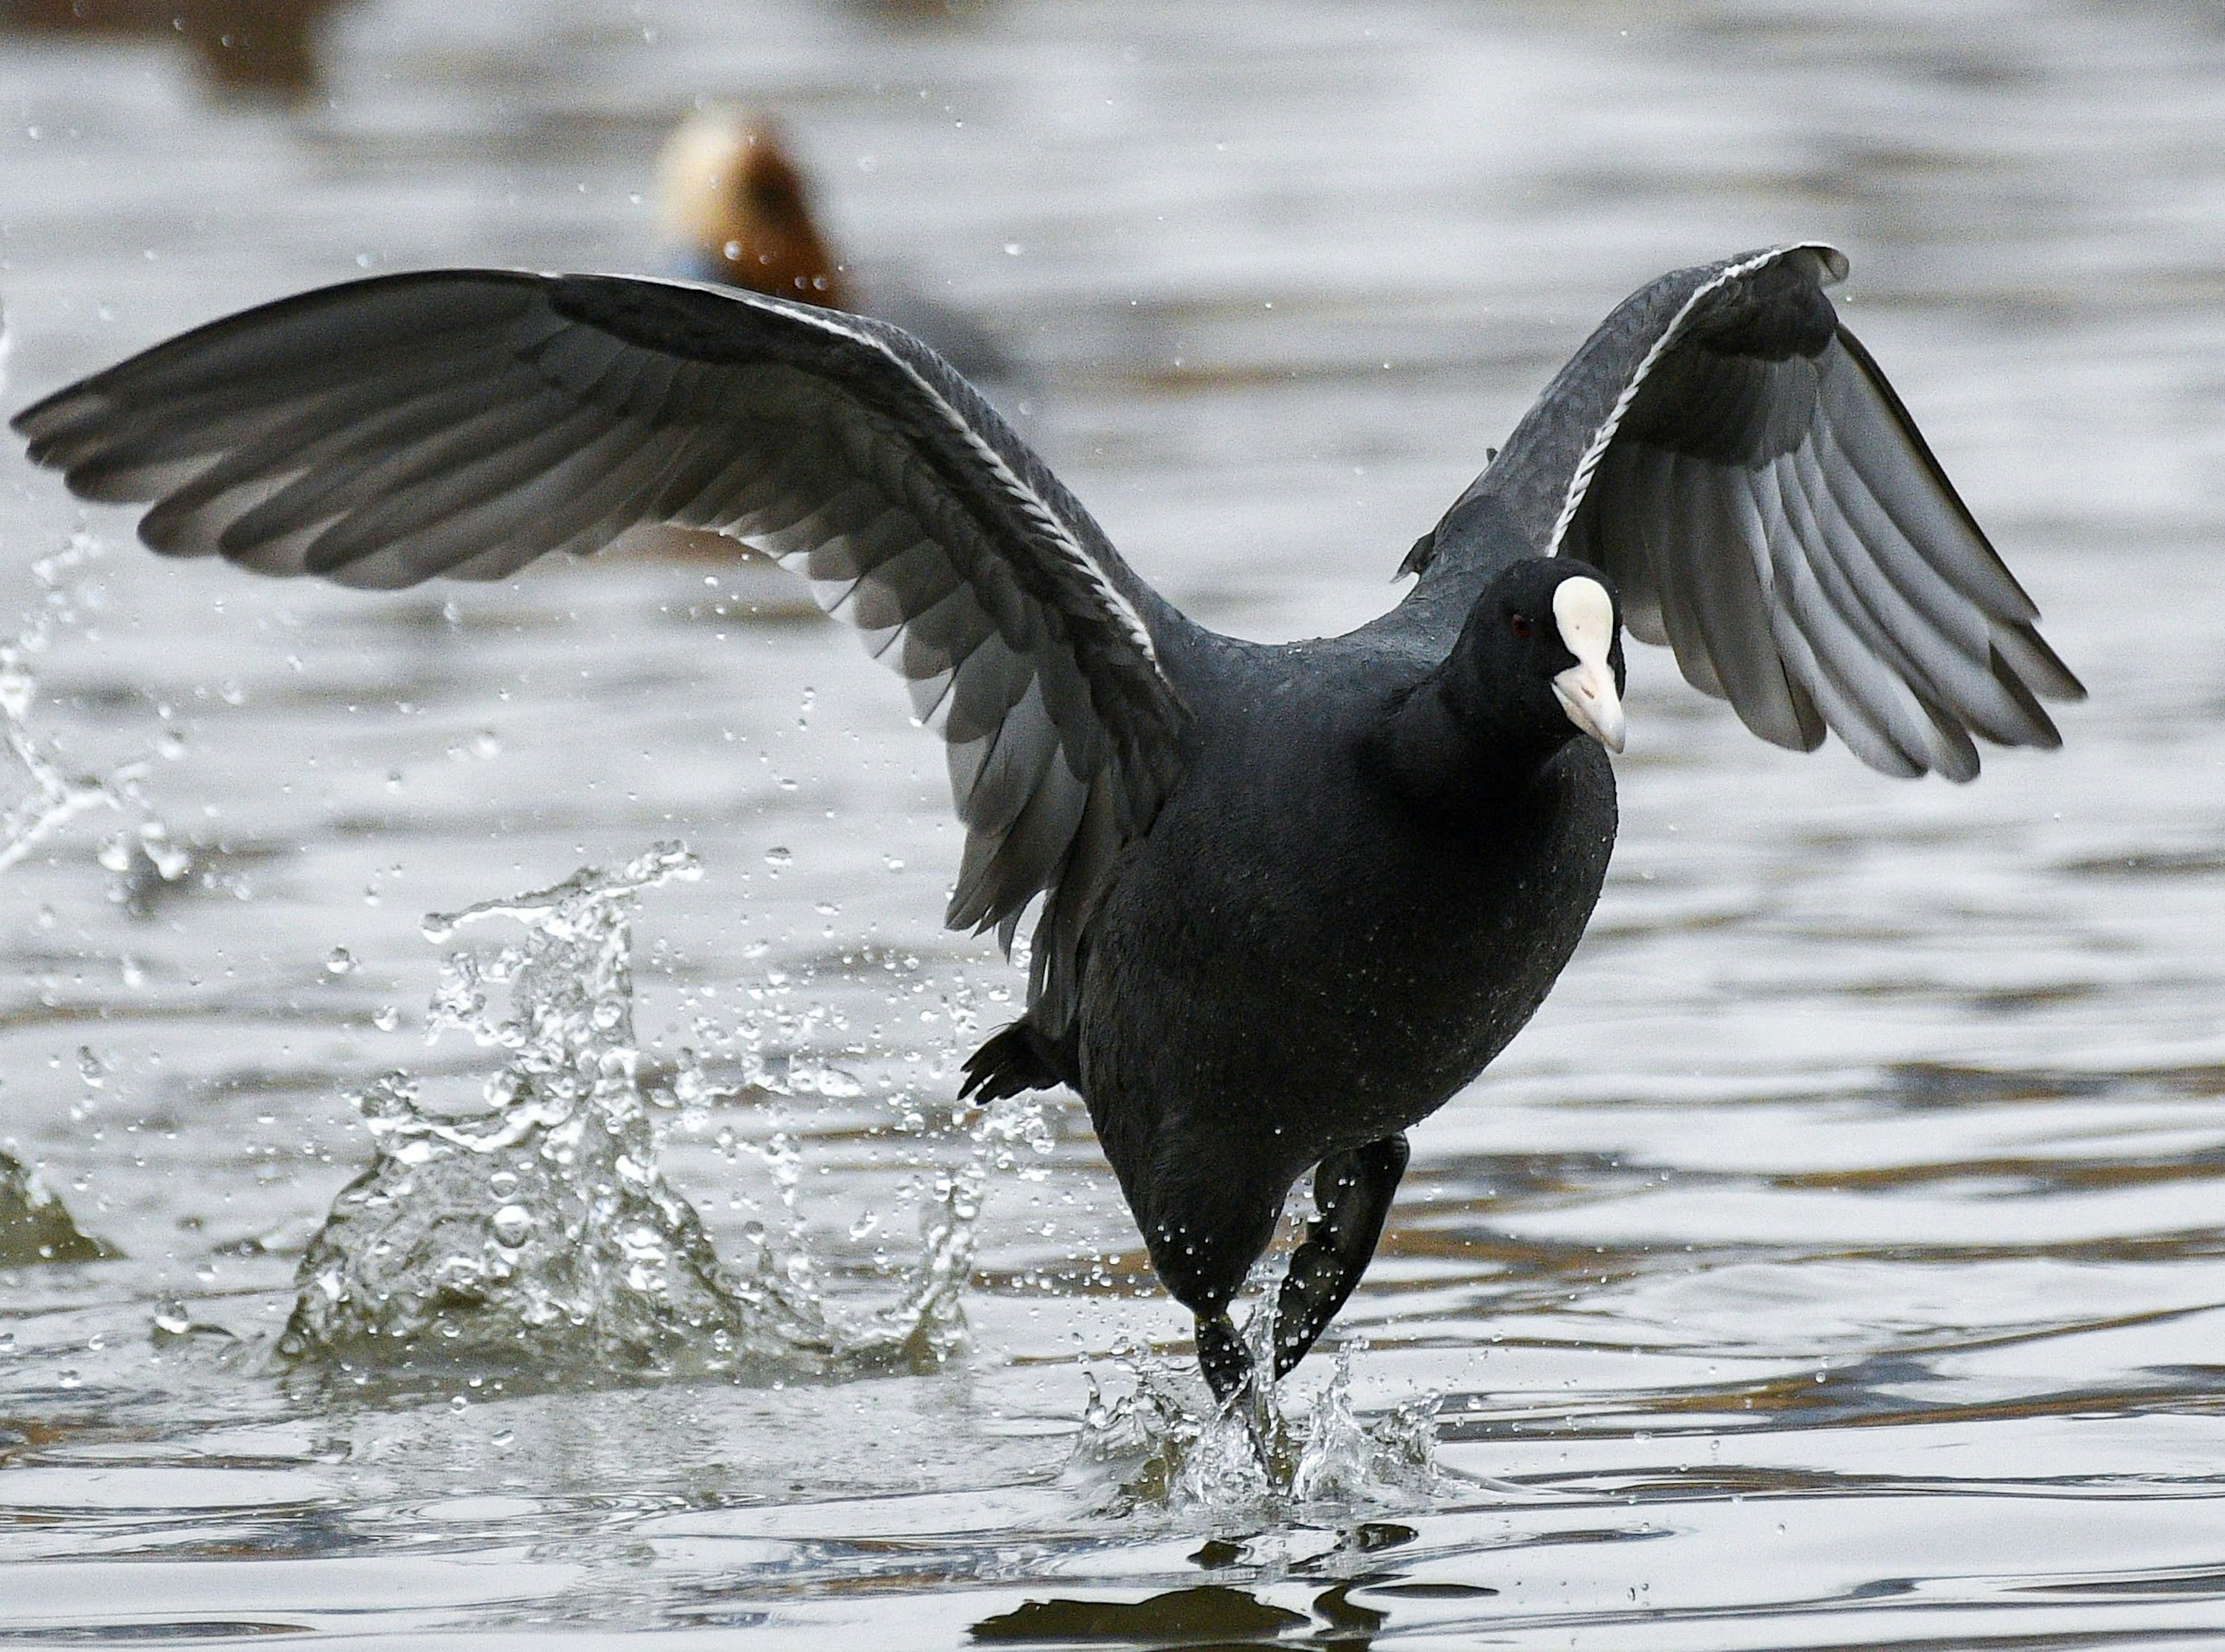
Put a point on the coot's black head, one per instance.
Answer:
(1540, 659)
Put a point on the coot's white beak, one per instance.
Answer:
(1585, 614)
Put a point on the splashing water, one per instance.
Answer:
(1145, 1452)
(35, 1226)
(538, 1233)
(56, 796)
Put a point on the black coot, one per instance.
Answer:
(1294, 896)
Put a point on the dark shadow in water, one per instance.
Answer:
(169, 1634)
(1206, 1616)
(1211, 1615)
(2209, 1583)
(920, 13)
(261, 49)
(1349, 1623)
(1938, 1084)
(2186, 863)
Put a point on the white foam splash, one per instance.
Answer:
(539, 1233)
(1144, 1452)
(57, 796)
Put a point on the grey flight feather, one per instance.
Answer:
(464, 422)
(1726, 451)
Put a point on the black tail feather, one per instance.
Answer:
(1018, 1058)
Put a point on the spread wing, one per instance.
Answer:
(1729, 454)
(465, 422)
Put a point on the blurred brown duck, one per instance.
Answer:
(739, 212)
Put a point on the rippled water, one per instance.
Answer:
(1837, 1261)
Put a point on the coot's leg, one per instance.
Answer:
(1354, 1191)
(1222, 1357)
(1209, 1222)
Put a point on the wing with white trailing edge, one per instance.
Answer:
(1728, 452)
(462, 423)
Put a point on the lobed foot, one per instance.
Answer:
(1353, 1190)
(1222, 1357)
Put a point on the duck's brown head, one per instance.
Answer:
(739, 206)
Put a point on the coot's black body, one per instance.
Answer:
(1292, 898)
(1314, 949)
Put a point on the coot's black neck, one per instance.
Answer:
(1462, 743)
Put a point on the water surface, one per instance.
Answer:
(1836, 1261)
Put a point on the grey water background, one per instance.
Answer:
(1836, 1261)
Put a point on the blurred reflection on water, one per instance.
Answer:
(1846, 1228)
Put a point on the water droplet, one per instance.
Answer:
(386, 1018)
(512, 1226)
(339, 961)
(778, 858)
(16, 687)
(171, 862)
(171, 1317)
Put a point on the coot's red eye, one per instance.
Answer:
(1520, 623)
